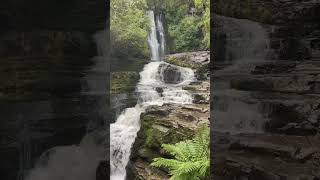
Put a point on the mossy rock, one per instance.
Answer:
(123, 82)
(156, 132)
(179, 62)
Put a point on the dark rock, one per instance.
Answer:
(251, 84)
(103, 170)
(170, 74)
(282, 116)
(159, 90)
(199, 99)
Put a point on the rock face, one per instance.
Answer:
(268, 157)
(167, 124)
(52, 80)
(170, 74)
(292, 27)
(198, 61)
(273, 83)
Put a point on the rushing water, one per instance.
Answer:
(124, 131)
(156, 38)
(77, 162)
(246, 45)
(245, 40)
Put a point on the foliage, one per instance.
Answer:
(245, 9)
(187, 21)
(129, 27)
(186, 34)
(191, 157)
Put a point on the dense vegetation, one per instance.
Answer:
(128, 28)
(191, 157)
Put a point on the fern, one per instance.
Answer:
(191, 157)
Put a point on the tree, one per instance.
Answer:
(129, 27)
(191, 157)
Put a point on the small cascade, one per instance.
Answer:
(246, 45)
(245, 40)
(235, 112)
(79, 161)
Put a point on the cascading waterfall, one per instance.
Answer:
(76, 162)
(246, 45)
(245, 40)
(124, 131)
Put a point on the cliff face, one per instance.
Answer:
(53, 84)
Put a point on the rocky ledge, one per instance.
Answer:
(168, 124)
(198, 61)
(265, 156)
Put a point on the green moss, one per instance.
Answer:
(154, 136)
(175, 61)
(123, 82)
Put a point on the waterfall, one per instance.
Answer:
(245, 40)
(233, 113)
(246, 45)
(124, 131)
(156, 38)
(78, 162)
(154, 75)
(160, 29)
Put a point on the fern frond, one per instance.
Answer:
(191, 157)
(163, 162)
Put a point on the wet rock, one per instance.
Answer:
(159, 90)
(167, 124)
(170, 74)
(189, 59)
(200, 99)
(268, 157)
(103, 170)
(140, 170)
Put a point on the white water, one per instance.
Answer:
(152, 38)
(124, 131)
(247, 45)
(246, 40)
(236, 112)
(77, 162)
(161, 34)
